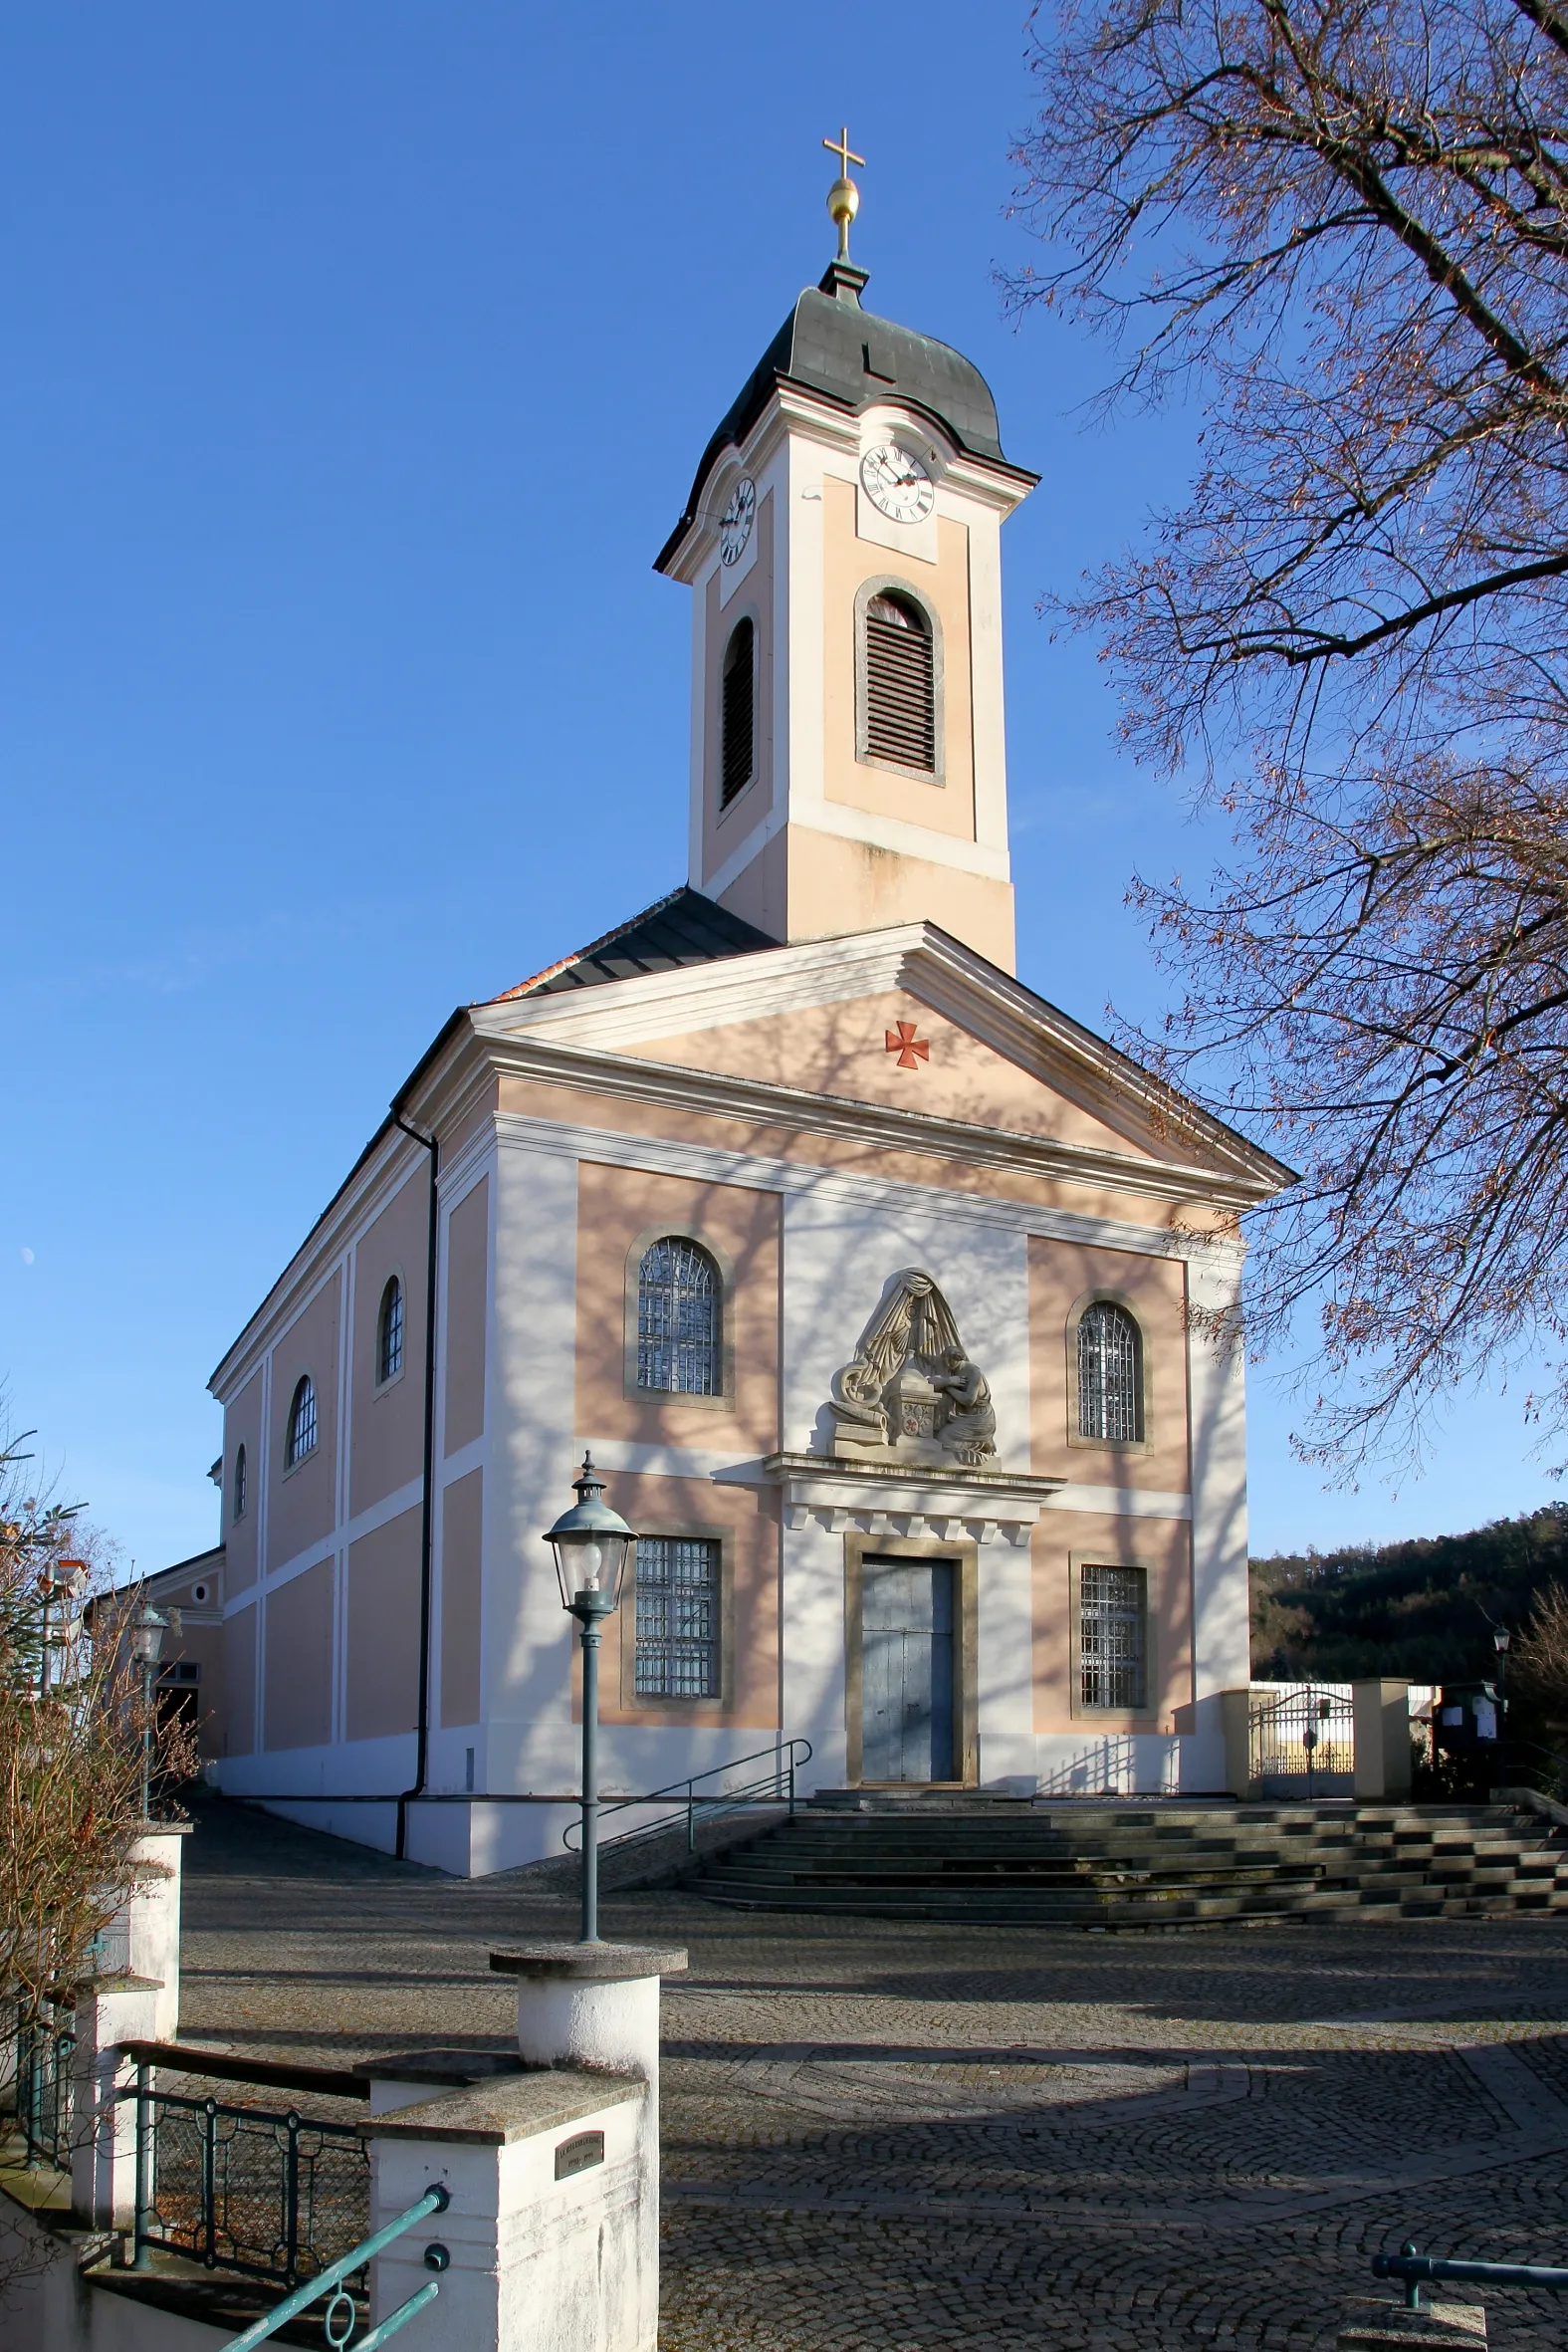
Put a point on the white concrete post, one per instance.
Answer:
(544, 2243)
(108, 2011)
(152, 1919)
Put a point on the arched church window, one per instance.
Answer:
(389, 1331)
(738, 713)
(1110, 1374)
(302, 1423)
(678, 1295)
(900, 683)
(237, 1506)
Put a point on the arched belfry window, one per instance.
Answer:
(302, 1423)
(237, 1508)
(389, 1331)
(738, 713)
(1110, 1374)
(678, 1300)
(900, 690)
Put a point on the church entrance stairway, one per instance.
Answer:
(1155, 1866)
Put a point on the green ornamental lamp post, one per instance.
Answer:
(146, 1644)
(590, 1542)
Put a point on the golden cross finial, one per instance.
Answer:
(844, 197)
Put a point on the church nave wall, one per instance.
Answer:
(620, 1213)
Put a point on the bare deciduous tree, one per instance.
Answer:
(1345, 224)
(73, 1714)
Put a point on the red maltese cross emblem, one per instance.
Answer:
(910, 1048)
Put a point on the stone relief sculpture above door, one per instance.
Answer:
(910, 1393)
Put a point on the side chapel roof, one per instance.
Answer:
(678, 930)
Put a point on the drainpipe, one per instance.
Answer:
(427, 1512)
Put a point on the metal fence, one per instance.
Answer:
(43, 2051)
(263, 2190)
(1303, 1743)
(775, 1785)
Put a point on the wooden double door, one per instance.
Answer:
(909, 1631)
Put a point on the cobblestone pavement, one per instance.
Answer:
(880, 2136)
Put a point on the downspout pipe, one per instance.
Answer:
(427, 1508)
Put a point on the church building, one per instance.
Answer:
(881, 1292)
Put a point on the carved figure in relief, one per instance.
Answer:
(970, 1426)
(910, 1391)
(858, 1403)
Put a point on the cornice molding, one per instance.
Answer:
(951, 980)
(900, 1197)
(894, 1499)
(759, 1102)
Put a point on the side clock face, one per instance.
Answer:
(735, 524)
(896, 484)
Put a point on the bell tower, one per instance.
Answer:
(842, 542)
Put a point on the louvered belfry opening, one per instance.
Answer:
(738, 730)
(901, 684)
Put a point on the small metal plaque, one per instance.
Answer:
(578, 2153)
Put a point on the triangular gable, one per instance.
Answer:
(815, 1019)
(889, 1047)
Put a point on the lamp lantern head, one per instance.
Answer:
(590, 1542)
(146, 1635)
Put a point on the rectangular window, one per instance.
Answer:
(677, 1617)
(1112, 1638)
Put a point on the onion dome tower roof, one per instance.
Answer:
(833, 348)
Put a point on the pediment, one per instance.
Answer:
(905, 1020)
(891, 1049)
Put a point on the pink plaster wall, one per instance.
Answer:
(239, 1684)
(386, 1427)
(299, 1670)
(462, 1551)
(242, 1427)
(617, 1207)
(383, 1629)
(1060, 1275)
(1163, 1548)
(467, 1261)
(302, 1502)
(843, 1050)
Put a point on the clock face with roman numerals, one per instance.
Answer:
(735, 524)
(897, 483)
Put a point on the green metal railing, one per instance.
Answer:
(45, 2047)
(265, 2191)
(1411, 2269)
(775, 1786)
(341, 2307)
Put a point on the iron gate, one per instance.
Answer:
(1303, 1743)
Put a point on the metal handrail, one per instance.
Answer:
(434, 2200)
(777, 1787)
(1412, 2268)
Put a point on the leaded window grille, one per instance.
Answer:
(1110, 1374)
(677, 1617)
(238, 1510)
(302, 1423)
(900, 685)
(738, 713)
(678, 1297)
(1113, 1638)
(389, 1332)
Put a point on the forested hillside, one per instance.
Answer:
(1422, 1611)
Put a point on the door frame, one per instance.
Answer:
(965, 1556)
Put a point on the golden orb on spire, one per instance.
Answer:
(844, 197)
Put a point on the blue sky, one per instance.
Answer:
(354, 365)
